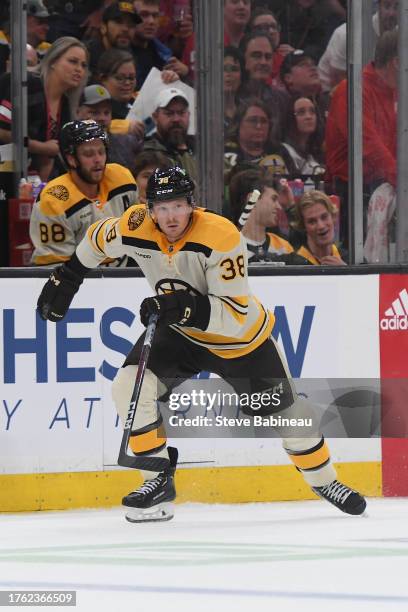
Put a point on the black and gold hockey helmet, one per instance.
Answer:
(169, 184)
(75, 133)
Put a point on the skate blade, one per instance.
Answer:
(161, 512)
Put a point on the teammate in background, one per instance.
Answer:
(315, 215)
(262, 245)
(91, 190)
(195, 261)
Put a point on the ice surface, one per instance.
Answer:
(292, 556)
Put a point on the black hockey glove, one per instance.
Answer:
(178, 307)
(57, 293)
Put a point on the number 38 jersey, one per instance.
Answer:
(62, 214)
(210, 259)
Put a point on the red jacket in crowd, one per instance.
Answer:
(379, 130)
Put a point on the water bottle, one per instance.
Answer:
(297, 189)
(309, 185)
(25, 190)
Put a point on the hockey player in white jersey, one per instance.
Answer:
(91, 190)
(195, 261)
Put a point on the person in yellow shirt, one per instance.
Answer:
(90, 190)
(314, 215)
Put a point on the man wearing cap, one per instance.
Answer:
(37, 30)
(300, 77)
(172, 118)
(37, 26)
(119, 21)
(124, 141)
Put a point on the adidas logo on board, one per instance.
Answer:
(396, 317)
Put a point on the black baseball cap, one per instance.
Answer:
(293, 59)
(117, 10)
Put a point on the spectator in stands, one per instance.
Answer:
(305, 23)
(232, 83)
(302, 147)
(299, 74)
(125, 143)
(380, 94)
(333, 63)
(116, 71)
(32, 60)
(236, 17)
(149, 51)
(52, 101)
(79, 18)
(172, 120)
(300, 77)
(250, 141)
(257, 51)
(90, 190)
(315, 216)
(176, 25)
(144, 166)
(37, 28)
(264, 21)
(262, 244)
(119, 21)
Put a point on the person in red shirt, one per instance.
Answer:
(380, 81)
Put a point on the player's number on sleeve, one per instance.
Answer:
(53, 233)
(233, 268)
(111, 235)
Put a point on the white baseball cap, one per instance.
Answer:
(167, 95)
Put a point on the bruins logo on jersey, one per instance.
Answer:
(136, 219)
(59, 191)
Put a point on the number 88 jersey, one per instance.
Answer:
(62, 213)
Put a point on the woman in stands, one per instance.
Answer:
(303, 139)
(250, 141)
(116, 71)
(53, 96)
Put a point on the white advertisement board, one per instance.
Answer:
(56, 412)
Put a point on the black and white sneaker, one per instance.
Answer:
(152, 500)
(345, 499)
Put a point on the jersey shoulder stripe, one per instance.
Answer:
(141, 243)
(122, 189)
(76, 207)
(213, 231)
(197, 247)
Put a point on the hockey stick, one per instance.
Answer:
(249, 206)
(153, 464)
